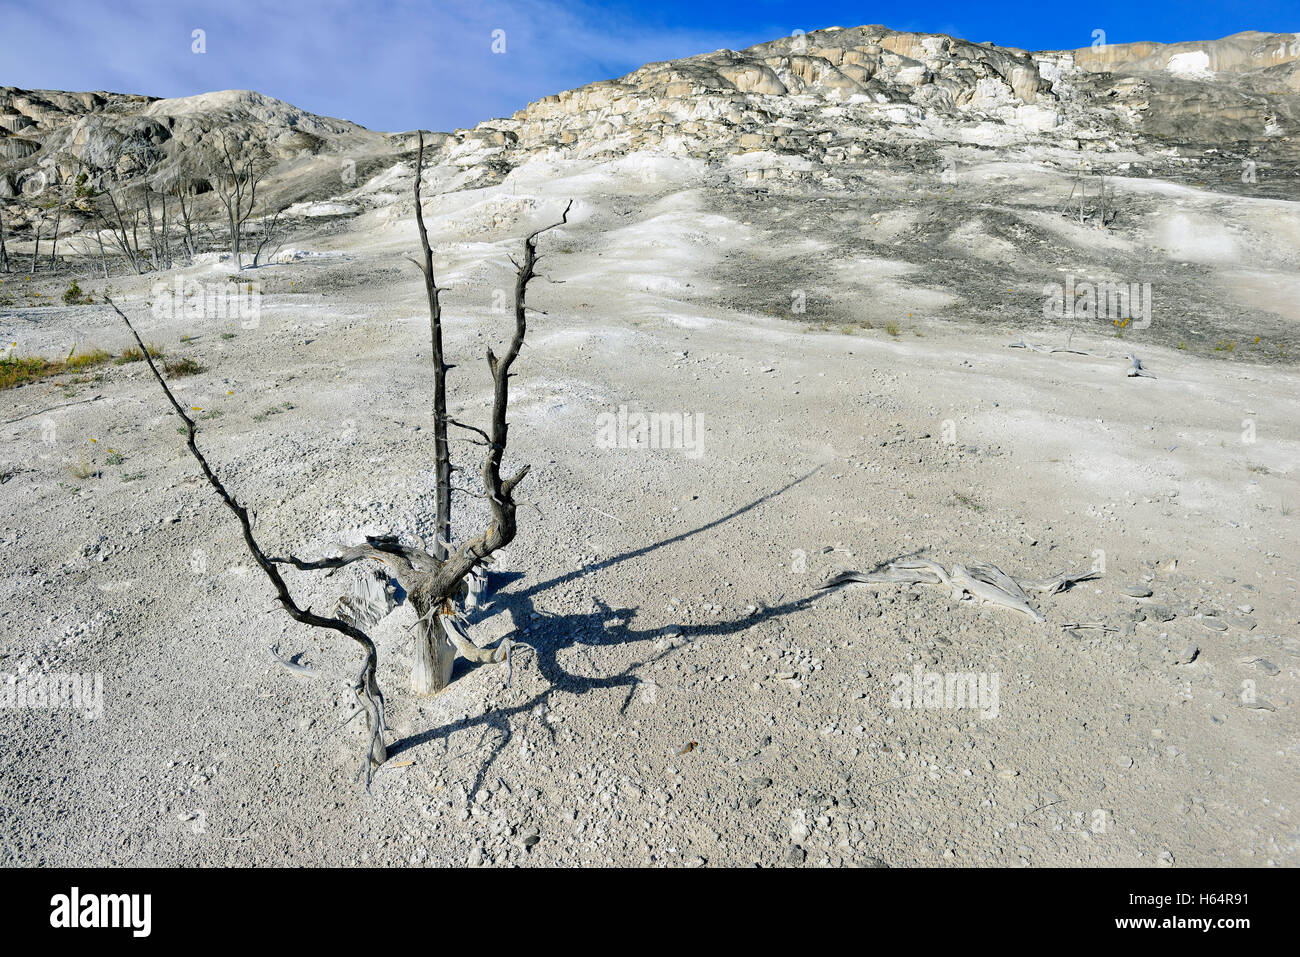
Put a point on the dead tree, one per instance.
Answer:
(54, 235)
(127, 240)
(432, 583)
(159, 248)
(234, 181)
(41, 211)
(61, 199)
(103, 257)
(1079, 185)
(180, 191)
(6, 185)
(184, 194)
(270, 237)
(4, 252)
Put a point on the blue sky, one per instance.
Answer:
(401, 64)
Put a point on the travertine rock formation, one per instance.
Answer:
(825, 108)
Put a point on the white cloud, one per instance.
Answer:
(394, 65)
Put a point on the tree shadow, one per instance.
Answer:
(603, 626)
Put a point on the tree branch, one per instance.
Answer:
(367, 687)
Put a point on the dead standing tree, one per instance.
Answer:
(431, 582)
(6, 186)
(4, 252)
(124, 233)
(269, 237)
(234, 179)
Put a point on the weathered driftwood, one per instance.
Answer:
(892, 575)
(1061, 582)
(1136, 368)
(982, 581)
(983, 586)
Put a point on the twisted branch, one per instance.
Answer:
(367, 686)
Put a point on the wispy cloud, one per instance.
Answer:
(392, 65)
(398, 64)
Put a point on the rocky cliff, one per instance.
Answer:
(827, 108)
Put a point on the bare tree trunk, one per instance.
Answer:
(190, 246)
(166, 244)
(153, 237)
(434, 657)
(135, 232)
(434, 653)
(36, 249)
(54, 240)
(4, 253)
(442, 454)
(236, 188)
(103, 259)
